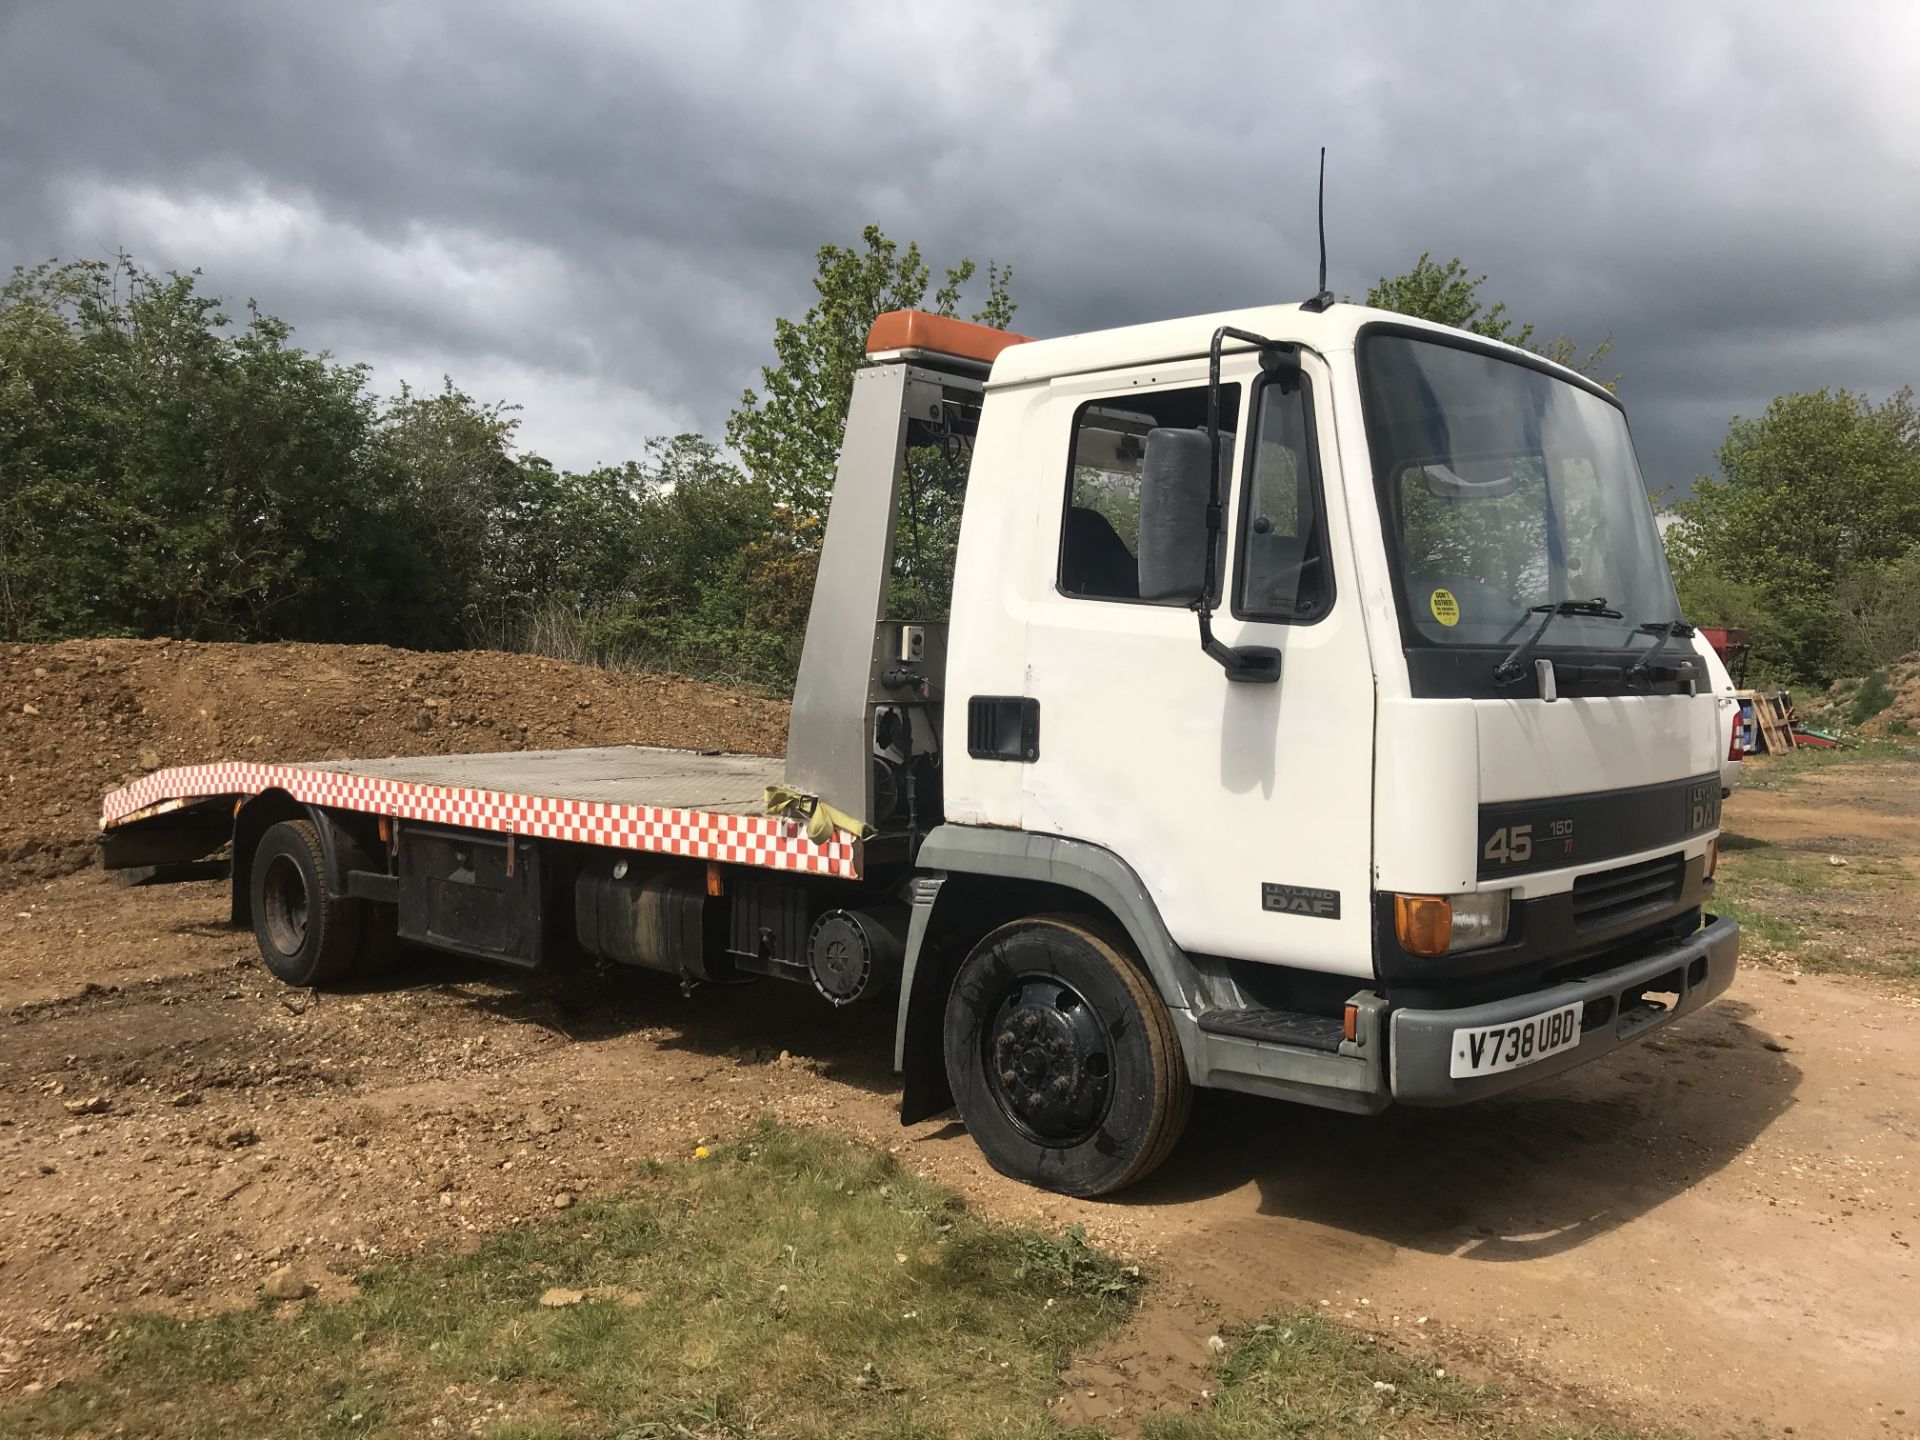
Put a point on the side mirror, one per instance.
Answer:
(1174, 495)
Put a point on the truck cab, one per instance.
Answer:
(1452, 827)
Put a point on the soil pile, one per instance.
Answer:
(81, 717)
(1900, 716)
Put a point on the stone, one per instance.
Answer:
(92, 1105)
(239, 1137)
(285, 1283)
(148, 757)
(563, 1200)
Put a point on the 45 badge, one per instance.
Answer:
(1513, 844)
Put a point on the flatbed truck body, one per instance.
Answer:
(694, 804)
(1314, 719)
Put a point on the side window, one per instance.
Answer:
(1283, 572)
(1100, 529)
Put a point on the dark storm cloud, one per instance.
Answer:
(597, 210)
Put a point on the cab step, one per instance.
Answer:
(1278, 1027)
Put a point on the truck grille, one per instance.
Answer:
(1609, 896)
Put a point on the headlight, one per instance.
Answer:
(1441, 924)
(1479, 919)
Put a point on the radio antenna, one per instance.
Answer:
(1324, 297)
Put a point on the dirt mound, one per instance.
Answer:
(81, 717)
(1898, 716)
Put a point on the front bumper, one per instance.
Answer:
(1615, 1013)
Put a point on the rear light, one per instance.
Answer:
(1713, 856)
(1734, 749)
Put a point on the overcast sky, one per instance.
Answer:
(595, 208)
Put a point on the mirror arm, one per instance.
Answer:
(1248, 664)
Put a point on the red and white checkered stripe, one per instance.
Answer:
(761, 840)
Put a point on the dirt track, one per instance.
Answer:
(1714, 1229)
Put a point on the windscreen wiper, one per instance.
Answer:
(1515, 665)
(1662, 631)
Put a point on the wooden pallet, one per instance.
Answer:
(1772, 720)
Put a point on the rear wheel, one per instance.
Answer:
(307, 931)
(1063, 1059)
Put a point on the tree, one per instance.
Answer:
(454, 462)
(165, 469)
(1818, 496)
(167, 473)
(1448, 295)
(59, 423)
(698, 516)
(789, 433)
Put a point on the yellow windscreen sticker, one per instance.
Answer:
(1445, 608)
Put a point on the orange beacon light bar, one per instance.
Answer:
(916, 332)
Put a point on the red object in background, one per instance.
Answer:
(1817, 742)
(1724, 639)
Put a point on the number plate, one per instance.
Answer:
(1489, 1049)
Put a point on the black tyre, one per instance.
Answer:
(307, 932)
(1063, 1059)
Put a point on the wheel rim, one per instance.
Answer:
(286, 904)
(1048, 1062)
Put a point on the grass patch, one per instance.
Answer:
(1806, 872)
(794, 1285)
(1782, 772)
(1303, 1376)
(1822, 959)
(1827, 918)
(1775, 932)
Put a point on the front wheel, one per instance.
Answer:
(1063, 1059)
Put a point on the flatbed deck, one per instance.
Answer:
(631, 797)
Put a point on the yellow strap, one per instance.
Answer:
(821, 818)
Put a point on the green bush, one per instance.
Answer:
(1873, 696)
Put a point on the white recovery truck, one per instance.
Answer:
(1314, 719)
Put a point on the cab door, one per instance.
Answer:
(1244, 808)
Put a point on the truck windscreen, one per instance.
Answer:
(1503, 488)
